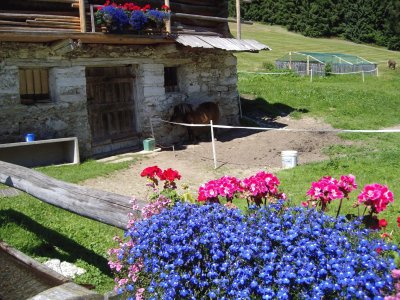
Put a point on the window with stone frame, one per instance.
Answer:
(171, 79)
(34, 85)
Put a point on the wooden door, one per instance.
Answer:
(110, 105)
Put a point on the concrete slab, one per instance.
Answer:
(126, 156)
(41, 153)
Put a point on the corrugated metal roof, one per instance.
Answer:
(209, 42)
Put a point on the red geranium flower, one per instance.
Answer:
(169, 175)
(382, 223)
(398, 221)
(165, 7)
(146, 7)
(151, 172)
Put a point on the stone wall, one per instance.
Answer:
(203, 75)
(65, 116)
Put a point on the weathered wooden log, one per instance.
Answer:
(71, 20)
(106, 207)
(13, 23)
(53, 24)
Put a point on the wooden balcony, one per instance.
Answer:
(54, 20)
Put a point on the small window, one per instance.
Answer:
(34, 85)
(171, 79)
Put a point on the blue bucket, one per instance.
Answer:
(29, 137)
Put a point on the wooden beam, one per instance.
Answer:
(82, 15)
(197, 2)
(72, 20)
(45, 35)
(58, 1)
(53, 24)
(29, 30)
(168, 22)
(6, 15)
(238, 26)
(209, 18)
(92, 21)
(105, 207)
(13, 23)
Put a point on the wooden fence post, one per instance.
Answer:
(238, 17)
(82, 15)
(168, 22)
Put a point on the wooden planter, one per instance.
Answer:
(22, 277)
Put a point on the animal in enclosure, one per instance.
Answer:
(391, 64)
(202, 114)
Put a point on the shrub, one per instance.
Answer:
(268, 66)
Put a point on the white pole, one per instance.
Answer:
(308, 65)
(152, 131)
(213, 144)
(311, 72)
(240, 107)
(377, 71)
(363, 78)
(238, 25)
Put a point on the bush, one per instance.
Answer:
(268, 66)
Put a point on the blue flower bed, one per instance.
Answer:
(201, 252)
(138, 20)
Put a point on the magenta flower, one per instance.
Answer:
(347, 183)
(226, 186)
(376, 196)
(327, 189)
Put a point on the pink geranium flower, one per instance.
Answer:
(327, 189)
(376, 197)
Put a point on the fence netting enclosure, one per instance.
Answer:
(321, 64)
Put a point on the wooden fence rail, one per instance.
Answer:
(105, 207)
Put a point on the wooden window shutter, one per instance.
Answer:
(34, 85)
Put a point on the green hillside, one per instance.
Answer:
(282, 41)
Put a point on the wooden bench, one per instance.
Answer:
(42, 152)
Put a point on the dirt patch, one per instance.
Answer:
(239, 153)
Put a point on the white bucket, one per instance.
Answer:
(289, 159)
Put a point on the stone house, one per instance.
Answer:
(61, 77)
